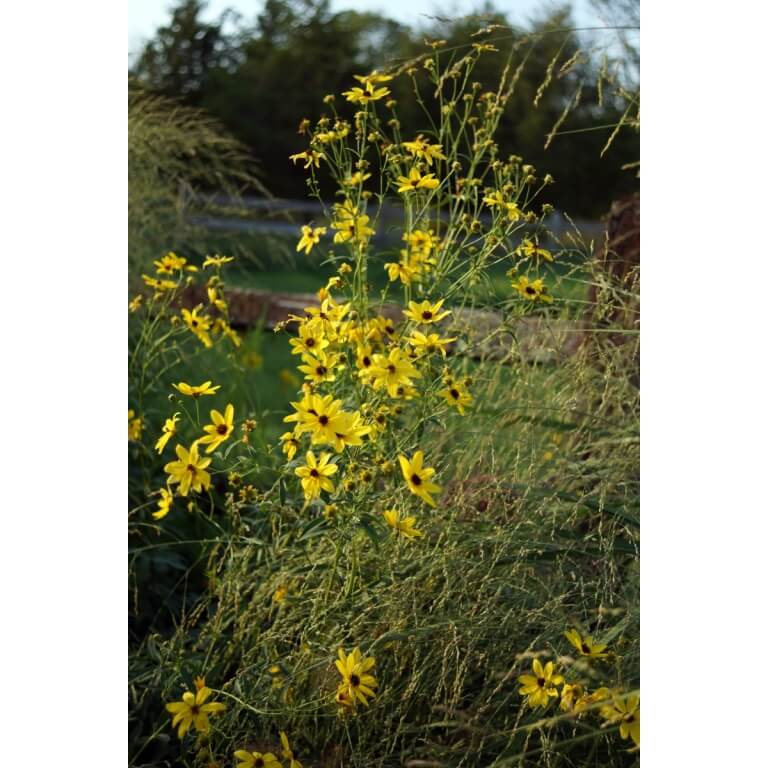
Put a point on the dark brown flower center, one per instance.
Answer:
(321, 370)
(454, 394)
(309, 343)
(222, 429)
(323, 419)
(540, 682)
(314, 473)
(258, 762)
(391, 368)
(355, 680)
(426, 315)
(415, 479)
(530, 291)
(191, 468)
(194, 710)
(366, 361)
(585, 648)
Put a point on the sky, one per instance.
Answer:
(144, 16)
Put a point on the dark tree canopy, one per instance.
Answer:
(261, 80)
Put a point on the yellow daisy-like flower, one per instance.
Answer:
(569, 695)
(171, 263)
(287, 752)
(541, 685)
(256, 759)
(221, 428)
(428, 344)
(279, 594)
(456, 396)
(356, 179)
(164, 505)
(196, 391)
(189, 471)
(169, 431)
(426, 313)
(315, 475)
(193, 710)
(289, 445)
(311, 340)
(404, 526)
(497, 199)
(422, 149)
(351, 225)
(533, 290)
(135, 425)
(586, 645)
(135, 303)
(369, 91)
(419, 477)
(414, 180)
(310, 156)
(319, 369)
(531, 249)
(200, 325)
(357, 682)
(309, 238)
(625, 710)
(393, 371)
(217, 261)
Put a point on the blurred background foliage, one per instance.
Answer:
(260, 79)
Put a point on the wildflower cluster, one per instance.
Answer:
(613, 705)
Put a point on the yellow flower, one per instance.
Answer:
(586, 646)
(169, 430)
(414, 180)
(217, 261)
(279, 594)
(312, 158)
(569, 695)
(315, 475)
(369, 91)
(193, 711)
(220, 430)
(356, 179)
(419, 477)
(349, 430)
(530, 248)
(428, 344)
(135, 303)
(198, 324)
(164, 505)
(171, 263)
(290, 445)
(310, 237)
(423, 242)
(287, 752)
(393, 371)
(540, 686)
(402, 526)
(311, 338)
(399, 271)
(424, 150)
(159, 285)
(497, 199)
(319, 369)
(533, 290)
(189, 471)
(256, 759)
(626, 711)
(196, 391)
(357, 682)
(216, 300)
(350, 224)
(135, 425)
(456, 396)
(426, 313)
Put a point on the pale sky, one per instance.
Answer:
(145, 16)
